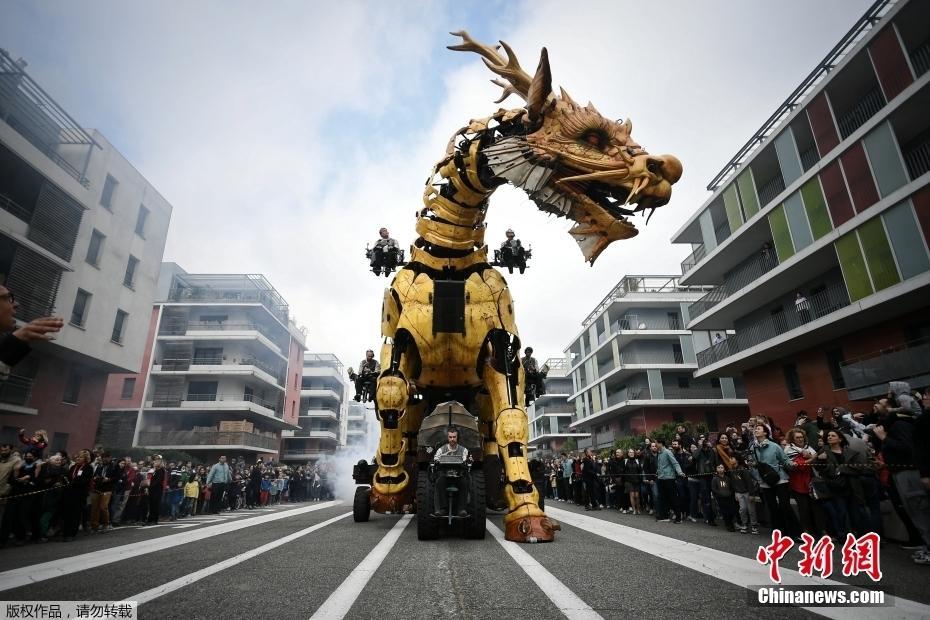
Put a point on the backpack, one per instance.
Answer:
(769, 474)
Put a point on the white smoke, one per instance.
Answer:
(340, 463)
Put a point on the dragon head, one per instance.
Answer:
(571, 160)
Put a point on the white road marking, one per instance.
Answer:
(567, 601)
(186, 580)
(745, 572)
(186, 525)
(35, 573)
(341, 600)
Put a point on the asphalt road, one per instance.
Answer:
(312, 561)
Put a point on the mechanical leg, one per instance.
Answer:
(392, 490)
(503, 378)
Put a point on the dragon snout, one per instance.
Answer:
(669, 167)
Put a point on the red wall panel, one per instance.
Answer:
(921, 200)
(894, 74)
(859, 177)
(825, 135)
(836, 194)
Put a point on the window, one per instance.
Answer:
(715, 382)
(59, 442)
(201, 390)
(130, 278)
(129, 386)
(834, 359)
(93, 250)
(208, 355)
(140, 221)
(673, 321)
(72, 388)
(118, 324)
(81, 306)
(676, 352)
(106, 198)
(683, 382)
(793, 381)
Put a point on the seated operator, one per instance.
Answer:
(368, 371)
(512, 252)
(385, 254)
(534, 380)
(451, 448)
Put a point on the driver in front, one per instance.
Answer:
(451, 448)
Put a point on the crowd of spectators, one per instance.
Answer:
(59, 496)
(825, 476)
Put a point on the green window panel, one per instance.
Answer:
(747, 191)
(732, 207)
(797, 220)
(778, 222)
(906, 243)
(816, 207)
(855, 274)
(878, 254)
(885, 159)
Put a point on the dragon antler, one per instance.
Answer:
(508, 68)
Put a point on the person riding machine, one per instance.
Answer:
(535, 376)
(512, 254)
(366, 378)
(386, 256)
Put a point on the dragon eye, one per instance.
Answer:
(594, 138)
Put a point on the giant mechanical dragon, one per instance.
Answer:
(448, 318)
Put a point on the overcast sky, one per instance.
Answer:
(286, 133)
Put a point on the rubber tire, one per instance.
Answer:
(475, 527)
(361, 505)
(427, 526)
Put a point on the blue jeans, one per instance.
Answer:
(174, 501)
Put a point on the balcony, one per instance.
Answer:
(693, 259)
(868, 376)
(826, 302)
(630, 285)
(246, 403)
(191, 440)
(920, 58)
(309, 453)
(746, 273)
(320, 392)
(864, 109)
(219, 365)
(315, 434)
(770, 189)
(320, 414)
(210, 330)
(692, 393)
(230, 289)
(917, 156)
(16, 390)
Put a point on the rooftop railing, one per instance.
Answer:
(826, 302)
(641, 284)
(910, 359)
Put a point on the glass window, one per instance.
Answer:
(878, 254)
(788, 159)
(732, 206)
(816, 208)
(141, 219)
(855, 274)
(129, 386)
(72, 388)
(129, 279)
(885, 158)
(747, 193)
(781, 235)
(109, 188)
(80, 308)
(797, 221)
(904, 234)
(793, 381)
(118, 326)
(93, 250)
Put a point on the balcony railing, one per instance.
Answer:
(917, 157)
(693, 259)
(722, 232)
(920, 58)
(195, 294)
(208, 439)
(651, 358)
(744, 274)
(692, 393)
(635, 324)
(770, 189)
(305, 454)
(185, 363)
(821, 304)
(11, 206)
(175, 400)
(181, 327)
(900, 363)
(864, 109)
(16, 390)
(809, 158)
(315, 433)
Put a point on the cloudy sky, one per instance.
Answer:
(286, 133)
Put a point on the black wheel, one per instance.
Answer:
(477, 507)
(361, 505)
(427, 526)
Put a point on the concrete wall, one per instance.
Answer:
(113, 396)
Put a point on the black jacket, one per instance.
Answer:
(12, 350)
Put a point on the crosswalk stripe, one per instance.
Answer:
(35, 573)
(341, 600)
(186, 580)
(745, 572)
(569, 603)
